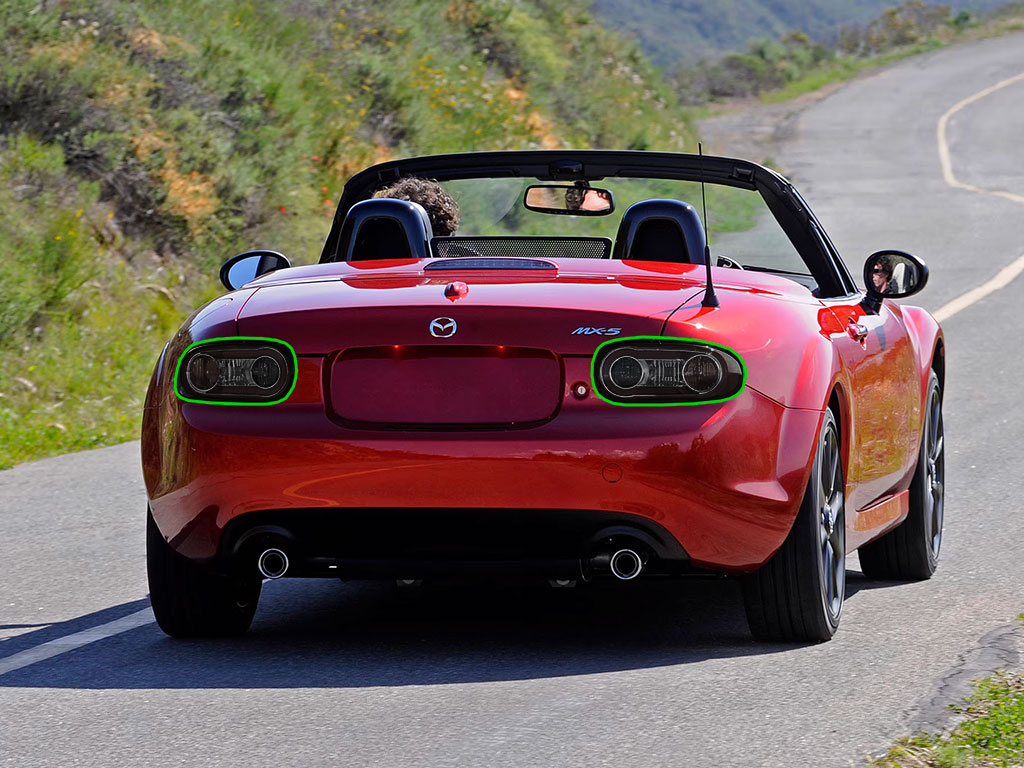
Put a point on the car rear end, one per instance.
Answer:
(429, 436)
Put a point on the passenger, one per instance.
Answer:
(439, 205)
(881, 276)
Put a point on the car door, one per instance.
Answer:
(878, 358)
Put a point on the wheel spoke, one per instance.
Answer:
(830, 589)
(825, 470)
(836, 479)
(829, 463)
(838, 542)
(835, 583)
(936, 451)
(835, 573)
(928, 515)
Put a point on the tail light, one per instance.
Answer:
(236, 371)
(653, 370)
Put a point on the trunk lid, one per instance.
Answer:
(401, 354)
(565, 313)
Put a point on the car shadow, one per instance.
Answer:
(326, 634)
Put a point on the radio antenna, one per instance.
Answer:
(710, 299)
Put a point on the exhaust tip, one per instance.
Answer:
(626, 564)
(273, 563)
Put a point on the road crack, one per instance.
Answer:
(998, 649)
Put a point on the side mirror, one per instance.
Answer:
(894, 275)
(248, 265)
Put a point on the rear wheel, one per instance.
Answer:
(192, 600)
(798, 594)
(911, 550)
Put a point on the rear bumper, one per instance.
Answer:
(723, 481)
(416, 543)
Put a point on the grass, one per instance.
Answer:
(840, 70)
(991, 735)
(846, 68)
(142, 143)
(80, 383)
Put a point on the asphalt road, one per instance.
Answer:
(658, 675)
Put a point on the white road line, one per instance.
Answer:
(1006, 275)
(77, 640)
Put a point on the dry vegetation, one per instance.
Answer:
(780, 69)
(141, 143)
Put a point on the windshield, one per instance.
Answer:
(739, 225)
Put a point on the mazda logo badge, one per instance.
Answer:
(443, 327)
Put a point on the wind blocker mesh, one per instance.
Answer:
(512, 247)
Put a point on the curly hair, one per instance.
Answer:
(440, 206)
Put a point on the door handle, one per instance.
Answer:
(858, 332)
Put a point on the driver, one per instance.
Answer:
(439, 205)
(582, 199)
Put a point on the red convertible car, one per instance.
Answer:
(553, 365)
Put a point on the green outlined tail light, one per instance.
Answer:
(238, 370)
(659, 370)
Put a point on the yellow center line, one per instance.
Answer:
(1016, 267)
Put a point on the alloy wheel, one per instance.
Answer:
(832, 530)
(935, 474)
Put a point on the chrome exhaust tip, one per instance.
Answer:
(273, 563)
(626, 564)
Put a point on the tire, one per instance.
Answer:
(798, 594)
(910, 551)
(192, 600)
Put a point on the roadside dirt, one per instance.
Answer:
(752, 130)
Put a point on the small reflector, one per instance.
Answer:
(456, 290)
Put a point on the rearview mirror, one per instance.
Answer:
(569, 200)
(894, 274)
(248, 265)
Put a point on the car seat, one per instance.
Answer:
(660, 230)
(899, 278)
(385, 228)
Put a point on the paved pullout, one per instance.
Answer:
(658, 675)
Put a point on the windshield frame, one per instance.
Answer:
(781, 198)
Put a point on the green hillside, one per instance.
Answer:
(141, 143)
(680, 32)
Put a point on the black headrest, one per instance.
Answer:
(385, 228)
(661, 230)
